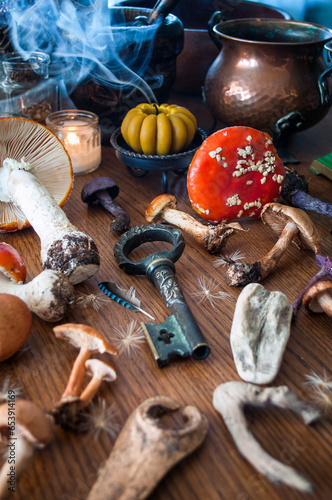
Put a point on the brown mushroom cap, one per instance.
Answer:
(15, 324)
(31, 422)
(158, 204)
(310, 299)
(21, 138)
(83, 336)
(96, 367)
(277, 216)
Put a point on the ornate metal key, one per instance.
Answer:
(179, 335)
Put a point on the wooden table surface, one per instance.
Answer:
(67, 468)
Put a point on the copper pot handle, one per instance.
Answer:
(322, 84)
(216, 18)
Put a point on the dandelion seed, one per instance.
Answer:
(315, 380)
(86, 300)
(4, 396)
(228, 259)
(100, 419)
(323, 398)
(129, 340)
(208, 291)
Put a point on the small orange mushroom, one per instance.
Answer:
(213, 238)
(88, 341)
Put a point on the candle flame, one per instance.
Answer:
(72, 138)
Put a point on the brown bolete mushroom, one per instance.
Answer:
(33, 429)
(15, 324)
(99, 372)
(318, 298)
(49, 295)
(213, 238)
(104, 190)
(291, 225)
(88, 341)
(35, 181)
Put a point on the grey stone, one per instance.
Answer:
(259, 334)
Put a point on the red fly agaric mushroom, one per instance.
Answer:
(291, 225)
(88, 341)
(318, 298)
(213, 238)
(35, 181)
(33, 429)
(49, 295)
(99, 372)
(233, 174)
(15, 324)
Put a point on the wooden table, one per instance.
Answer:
(67, 468)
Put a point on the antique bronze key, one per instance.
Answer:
(180, 334)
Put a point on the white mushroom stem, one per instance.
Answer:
(270, 260)
(20, 456)
(49, 295)
(230, 399)
(63, 247)
(77, 374)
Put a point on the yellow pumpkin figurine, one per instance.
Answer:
(154, 129)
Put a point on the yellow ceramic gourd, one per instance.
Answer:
(154, 129)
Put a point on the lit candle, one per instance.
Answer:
(79, 132)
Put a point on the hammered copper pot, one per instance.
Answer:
(272, 75)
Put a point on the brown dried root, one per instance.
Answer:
(146, 450)
(230, 398)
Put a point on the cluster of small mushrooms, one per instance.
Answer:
(35, 180)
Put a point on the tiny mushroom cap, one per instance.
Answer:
(318, 298)
(12, 264)
(84, 336)
(159, 204)
(15, 324)
(277, 216)
(21, 138)
(31, 422)
(90, 190)
(99, 369)
(99, 372)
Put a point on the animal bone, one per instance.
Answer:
(259, 334)
(230, 398)
(146, 450)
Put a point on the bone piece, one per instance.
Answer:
(259, 333)
(146, 450)
(230, 398)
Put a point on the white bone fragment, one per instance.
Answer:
(229, 400)
(259, 334)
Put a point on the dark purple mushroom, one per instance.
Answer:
(295, 193)
(104, 190)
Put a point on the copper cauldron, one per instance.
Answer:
(272, 75)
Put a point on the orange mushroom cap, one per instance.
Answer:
(84, 336)
(12, 264)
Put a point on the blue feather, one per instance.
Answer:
(123, 297)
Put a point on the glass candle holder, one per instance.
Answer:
(79, 132)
